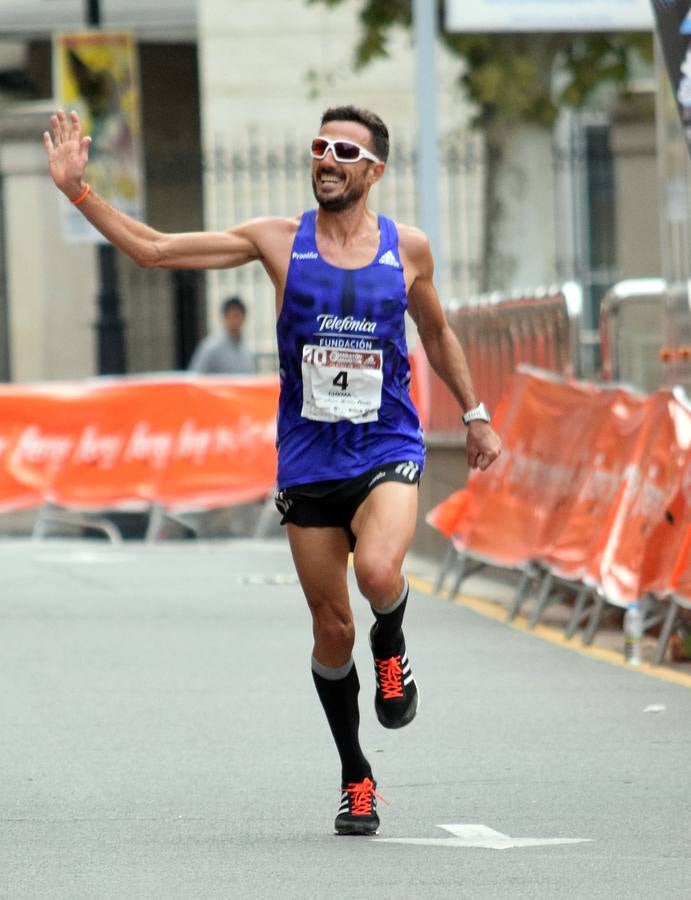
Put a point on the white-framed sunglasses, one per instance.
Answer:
(343, 151)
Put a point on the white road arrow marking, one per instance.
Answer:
(481, 836)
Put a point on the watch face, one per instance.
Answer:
(480, 412)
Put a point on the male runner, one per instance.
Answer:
(350, 448)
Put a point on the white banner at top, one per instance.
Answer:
(548, 15)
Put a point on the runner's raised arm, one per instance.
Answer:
(68, 155)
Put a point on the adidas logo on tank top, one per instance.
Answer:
(388, 259)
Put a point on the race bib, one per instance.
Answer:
(341, 384)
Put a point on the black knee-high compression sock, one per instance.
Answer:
(386, 637)
(338, 691)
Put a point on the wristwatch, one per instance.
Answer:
(477, 412)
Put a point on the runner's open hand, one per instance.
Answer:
(68, 153)
(482, 444)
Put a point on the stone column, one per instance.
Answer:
(635, 164)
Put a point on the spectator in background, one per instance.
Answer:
(226, 352)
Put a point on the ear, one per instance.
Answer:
(375, 172)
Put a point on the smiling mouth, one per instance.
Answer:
(325, 179)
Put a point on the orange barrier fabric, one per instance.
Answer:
(649, 518)
(123, 442)
(594, 484)
(445, 516)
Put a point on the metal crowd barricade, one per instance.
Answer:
(631, 332)
(500, 331)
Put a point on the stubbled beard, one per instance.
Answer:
(338, 204)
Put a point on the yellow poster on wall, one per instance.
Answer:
(96, 74)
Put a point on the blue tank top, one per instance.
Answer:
(359, 312)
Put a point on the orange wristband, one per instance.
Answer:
(82, 197)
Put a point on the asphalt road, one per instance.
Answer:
(160, 739)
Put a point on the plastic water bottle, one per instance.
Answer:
(633, 631)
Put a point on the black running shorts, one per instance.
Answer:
(332, 504)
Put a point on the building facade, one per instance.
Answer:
(231, 94)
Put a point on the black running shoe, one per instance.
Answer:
(357, 813)
(396, 696)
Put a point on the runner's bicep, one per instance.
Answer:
(206, 250)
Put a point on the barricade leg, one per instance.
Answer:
(464, 568)
(153, 528)
(521, 593)
(446, 566)
(460, 566)
(594, 620)
(156, 526)
(578, 614)
(666, 632)
(50, 515)
(544, 598)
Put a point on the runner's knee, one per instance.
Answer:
(378, 579)
(333, 630)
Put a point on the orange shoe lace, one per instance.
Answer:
(361, 796)
(390, 677)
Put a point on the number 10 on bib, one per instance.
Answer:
(341, 384)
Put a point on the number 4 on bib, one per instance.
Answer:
(341, 380)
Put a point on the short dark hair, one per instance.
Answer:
(233, 303)
(378, 130)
